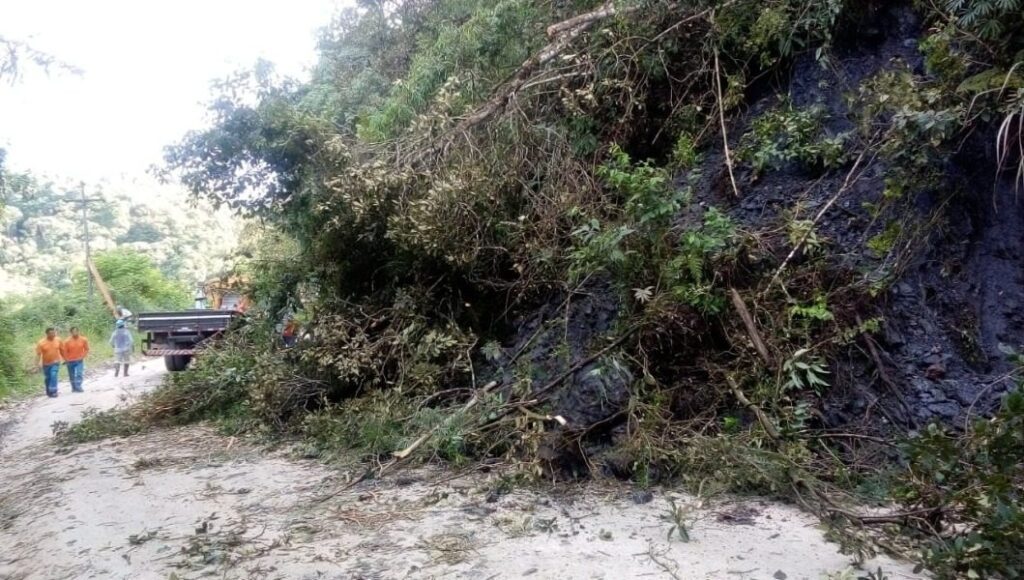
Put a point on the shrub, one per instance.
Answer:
(974, 485)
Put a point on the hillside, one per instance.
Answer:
(736, 245)
(42, 234)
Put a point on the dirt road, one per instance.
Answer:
(189, 503)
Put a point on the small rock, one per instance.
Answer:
(779, 575)
(891, 336)
(946, 410)
(964, 397)
(641, 496)
(935, 372)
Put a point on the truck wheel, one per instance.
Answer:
(177, 362)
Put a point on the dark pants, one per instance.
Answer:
(289, 340)
(50, 378)
(76, 372)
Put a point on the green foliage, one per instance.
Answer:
(885, 241)
(690, 273)
(651, 201)
(974, 480)
(42, 234)
(942, 55)
(599, 248)
(95, 425)
(804, 371)
(684, 153)
(371, 425)
(12, 373)
(135, 282)
(992, 20)
(462, 60)
(423, 193)
(141, 232)
(786, 135)
(915, 116)
(769, 32)
(814, 312)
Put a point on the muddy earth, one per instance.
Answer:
(190, 503)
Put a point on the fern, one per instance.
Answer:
(985, 18)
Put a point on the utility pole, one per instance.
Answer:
(84, 202)
(85, 222)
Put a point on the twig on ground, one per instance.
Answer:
(670, 571)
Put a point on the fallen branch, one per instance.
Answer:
(400, 456)
(748, 321)
(895, 518)
(586, 19)
(762, 417)
(469, 405)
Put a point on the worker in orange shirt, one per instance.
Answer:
(74, 351)
(48, 353)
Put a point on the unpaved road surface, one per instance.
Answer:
(189, 503)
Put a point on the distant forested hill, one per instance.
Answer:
(42, 234)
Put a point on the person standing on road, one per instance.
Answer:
(123, 343)
(48, 351)
(74, 351)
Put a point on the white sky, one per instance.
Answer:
(147, 70)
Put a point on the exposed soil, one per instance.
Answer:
(954, 304)
(189, 503)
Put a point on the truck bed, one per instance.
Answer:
(185, 321)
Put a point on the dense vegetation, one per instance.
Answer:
(656, 240)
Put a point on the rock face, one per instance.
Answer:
(951, 309)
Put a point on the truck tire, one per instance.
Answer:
(177, 362)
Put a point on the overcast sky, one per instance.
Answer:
(147, 67)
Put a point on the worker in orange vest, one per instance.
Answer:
(48, 360)
(74, 350)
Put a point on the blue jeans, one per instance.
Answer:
(50, 378)
(76, 372)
